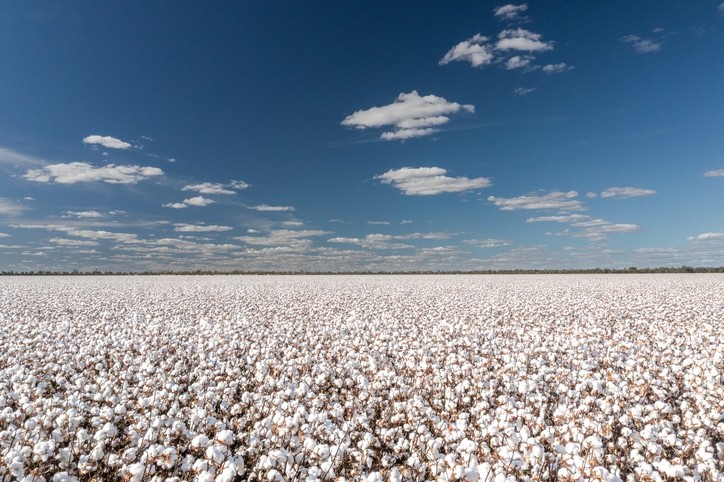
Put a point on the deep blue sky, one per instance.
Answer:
(361, 135)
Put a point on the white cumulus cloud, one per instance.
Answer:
(200, 228)
(707, 237)
(75, 172)
(563, 201)
(556, 68)
(488, 243)
(106, 141)
(524, 90)
(83, 214)
(571, 218)
(714, 173)
(426, 181)
(216, 187)
(175, 205)
(198, 201)
(599, 232)
(372, 241)
(523, 40)
(268, 208)
(73, 242)
(411, 115)
(623, 192)
(474, 50)
(518, 62)
(641, 45)
(510, 12)
(284, 237)
(238, 185)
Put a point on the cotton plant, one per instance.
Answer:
(471, 378)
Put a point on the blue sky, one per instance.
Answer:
(361, 135)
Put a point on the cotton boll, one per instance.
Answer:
(64, 477)
(216, 453)
(200, 441)
(225, 437)
(205, 477)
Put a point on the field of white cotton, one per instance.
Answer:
(374, 378)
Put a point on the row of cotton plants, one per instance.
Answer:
(375, 378)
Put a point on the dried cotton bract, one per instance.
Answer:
(399, 378)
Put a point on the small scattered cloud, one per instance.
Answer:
(73, 242)
(556, 68)
(268, 208)
(239, 185)
(106, 141)
(388, 241)
(198, 201)
(518, 62)
(4, 235)
(510, 12)
(147, 138)
(720, 9)
(427, 181)
(714, 173)
(292, 223)
(13, 158)
(10, 208)
(522, 40)
(599, 232)
(216, 187)
(594, 229)
(707, 237)
(406, 221)
(474, 50)
(488, 243)
(591, 195)
(411, 115)
(92, 214)
(383, 223)
(641, 45)
(75, 172)
(590, 222)
(175, 205)
(524, 90)
(570, 218)
(208, 188)
(624, 192)
(372, 241)
(562, 201)
(171, 159)
(200, 228)
(83, 233)
(284, 237)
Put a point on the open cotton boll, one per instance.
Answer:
(200, 441)
(64, 477)
(216, 453)
(226, 437)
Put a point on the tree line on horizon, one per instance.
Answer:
(629, 270)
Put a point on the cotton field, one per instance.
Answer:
(373, 378)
